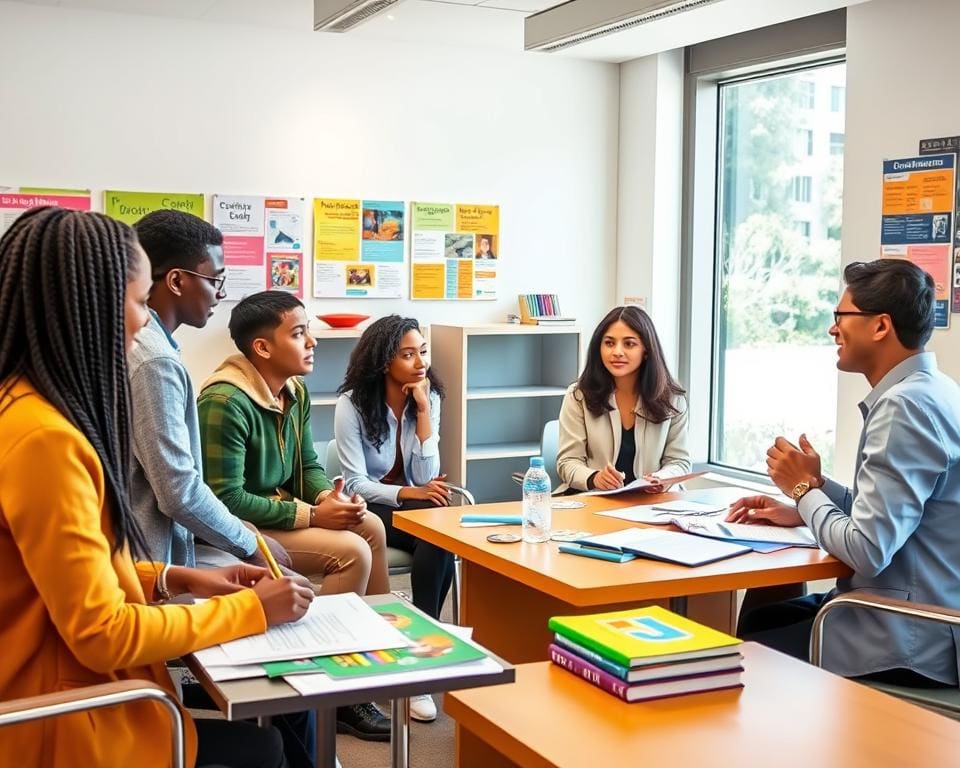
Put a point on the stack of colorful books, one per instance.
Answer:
(646, 653)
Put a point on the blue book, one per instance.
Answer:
(592, 656)
(599, 554)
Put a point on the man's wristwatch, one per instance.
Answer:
(801, 488)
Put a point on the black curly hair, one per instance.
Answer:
(655, 386)
(366, 373)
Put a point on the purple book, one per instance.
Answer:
(645, 691)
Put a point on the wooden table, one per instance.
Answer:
(262, 697)
(787, 714)
(509, 591)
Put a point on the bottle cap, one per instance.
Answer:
(536, 461)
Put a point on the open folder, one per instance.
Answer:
(670, 547)
(640, 483)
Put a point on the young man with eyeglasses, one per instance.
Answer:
(897, 528)
(183, 521)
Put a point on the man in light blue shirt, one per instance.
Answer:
(898, 528)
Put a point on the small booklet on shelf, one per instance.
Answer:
(542, 309)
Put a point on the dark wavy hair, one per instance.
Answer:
(63, 279)
(366, 374)
(656, 387)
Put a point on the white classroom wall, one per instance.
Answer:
(901, 63)
(111, 101)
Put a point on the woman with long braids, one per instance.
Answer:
(626, 416)
(387, 426)
(77, 609)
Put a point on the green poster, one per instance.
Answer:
(438, 217)
(130, 207)
(433, 647)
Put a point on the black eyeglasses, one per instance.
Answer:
(218, 281)
(837, 314)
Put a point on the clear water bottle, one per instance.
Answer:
(536, 502)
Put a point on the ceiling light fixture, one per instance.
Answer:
(580, 21)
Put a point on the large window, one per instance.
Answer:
(778, 264)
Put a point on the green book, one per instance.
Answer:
(433, 647)
(642, 636)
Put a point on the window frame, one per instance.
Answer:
(700, 280)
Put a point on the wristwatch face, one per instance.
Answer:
(799, 489)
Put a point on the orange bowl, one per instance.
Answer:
(343, 320)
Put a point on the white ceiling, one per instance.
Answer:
(496, 24)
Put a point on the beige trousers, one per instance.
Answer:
(354, 560)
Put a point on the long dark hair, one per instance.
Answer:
(655, 386)
(366, 373)
(63, 278)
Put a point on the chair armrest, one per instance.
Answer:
(94, 697)
(464, 494)
(859, 598)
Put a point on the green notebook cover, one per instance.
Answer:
(433, 647)
(643, 635)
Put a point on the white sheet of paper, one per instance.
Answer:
(639, 484)
(332, 624)
(236, 672)
(771, 534)
(661, 514)
(321, 683)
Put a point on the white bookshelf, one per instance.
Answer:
(503, 383)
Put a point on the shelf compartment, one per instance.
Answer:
(489, 451)
(499, 393)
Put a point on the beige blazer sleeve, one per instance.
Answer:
(572, 450)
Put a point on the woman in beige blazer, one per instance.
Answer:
(626, 417)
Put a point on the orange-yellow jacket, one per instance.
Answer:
(73, 611)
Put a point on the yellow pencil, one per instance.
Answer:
(268, 556)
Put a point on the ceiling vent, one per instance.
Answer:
(344, 15)
(580, 21)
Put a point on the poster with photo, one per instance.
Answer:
(130, 207)
(16, 200)
(262, 243)
(358, 248)
(455, 251)
(917, 219)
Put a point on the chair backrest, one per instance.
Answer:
(549, 445)
(332, 466)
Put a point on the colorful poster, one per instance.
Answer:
(358, 248)
(16, 200)
(918, 209)
(262, 243)
(130, 207)
(455, 251)
(940, 146)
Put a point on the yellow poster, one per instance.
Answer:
(462, 240)
(336, 229)
(478, 218)
(428, 281)
(465, 280)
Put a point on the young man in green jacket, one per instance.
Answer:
(259, 459)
